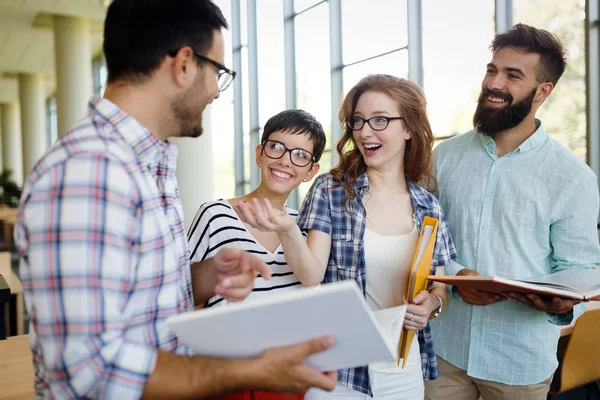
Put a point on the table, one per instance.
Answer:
(16, 369)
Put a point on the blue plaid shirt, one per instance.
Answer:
(323, 209)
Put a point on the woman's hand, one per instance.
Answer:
(264, 217)
(417, 313)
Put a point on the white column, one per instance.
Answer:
(33, 119)
(73, 55)
(11, 140)
(195, 169)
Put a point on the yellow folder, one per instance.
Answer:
(417, 281)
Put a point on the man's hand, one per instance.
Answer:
(284, 369)
(551, 305)
(477, 297)
(264, 217)
(235, 271)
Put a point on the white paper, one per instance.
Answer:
(246, 329)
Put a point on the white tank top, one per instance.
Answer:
(388, 260)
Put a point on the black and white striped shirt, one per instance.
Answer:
(216, 225)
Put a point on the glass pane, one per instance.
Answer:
(222, 124)
(301, 5)
(222, 142)
(271, 61)
(455, 55)
(371, 28)
(563, 113)
(313, 79)
(393, 64)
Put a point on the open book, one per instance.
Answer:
(575, 283)
(339, 309)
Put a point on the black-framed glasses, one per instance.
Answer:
(299, 157)
(225, 75)
(377, 123)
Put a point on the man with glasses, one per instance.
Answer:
(104, 258)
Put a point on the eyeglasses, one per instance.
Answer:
(377, 123)
(225, 75)
(299, 157)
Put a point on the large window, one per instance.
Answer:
(222, 126)
(373, 37)
(313, 74)
(455, 55)
(564, 112)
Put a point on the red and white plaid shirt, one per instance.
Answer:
(103, 257)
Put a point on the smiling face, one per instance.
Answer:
(383, 149)
(281, 176)
(508, 92)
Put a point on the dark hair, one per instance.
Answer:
(297, 122)
(553, 60)
(138, 34)
(418, 162)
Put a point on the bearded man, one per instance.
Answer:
(519, 205)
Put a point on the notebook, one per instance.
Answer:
(339, 309)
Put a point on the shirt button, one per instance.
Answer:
(488, 195)
(480, 260)
(474, 324)
(484, 227)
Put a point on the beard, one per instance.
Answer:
(187, 113)
(490, 121)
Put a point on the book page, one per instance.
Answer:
(577, 279)
(422, 245)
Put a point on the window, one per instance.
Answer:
(301, 5)
(564, 112)
(271, 62)
(395, 63)
(222, 126)
(313, 75)
(373, 28)
(455, 55)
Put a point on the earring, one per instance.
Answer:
(259, 164)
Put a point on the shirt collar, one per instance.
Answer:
(538, 138)
(146, 146)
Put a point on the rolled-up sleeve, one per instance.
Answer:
(315, 212)
(78, 232)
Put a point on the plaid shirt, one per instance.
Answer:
(104, 257)
(323, 210)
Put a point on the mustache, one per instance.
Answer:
(485, 93)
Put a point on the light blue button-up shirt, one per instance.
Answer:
(531, 212)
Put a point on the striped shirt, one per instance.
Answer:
(103, 257)
(531, 212)
(215, 226)
(323, 209)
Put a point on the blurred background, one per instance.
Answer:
(293, 54)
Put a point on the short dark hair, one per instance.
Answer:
(297, 122)
(553, 60)
(138, 34)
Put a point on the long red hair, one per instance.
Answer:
(418, 157)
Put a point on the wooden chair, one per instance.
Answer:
(581, 363)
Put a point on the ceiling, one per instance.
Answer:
(27, 39)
